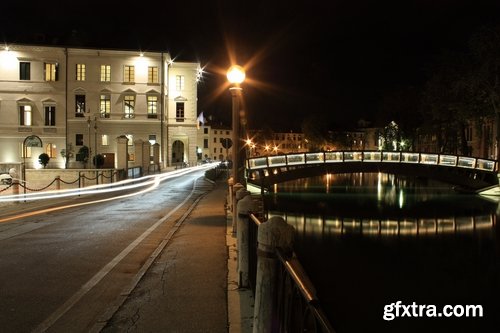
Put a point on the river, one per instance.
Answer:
(370, 240)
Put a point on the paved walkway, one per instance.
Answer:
(191, 286)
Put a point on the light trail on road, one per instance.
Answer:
(153, 182)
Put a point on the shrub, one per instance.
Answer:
(44, 159)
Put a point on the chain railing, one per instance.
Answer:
(79, 180)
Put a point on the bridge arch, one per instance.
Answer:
(468, 173)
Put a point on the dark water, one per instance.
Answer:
(369, 240)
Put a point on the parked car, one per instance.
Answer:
(5, 179)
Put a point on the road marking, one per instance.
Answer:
(105, 270)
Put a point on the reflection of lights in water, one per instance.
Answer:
(313, 225)
(401, 198)
(328, 178)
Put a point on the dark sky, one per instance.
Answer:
(336, 58)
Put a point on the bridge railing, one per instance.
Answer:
(325, 157)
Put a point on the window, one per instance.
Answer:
(80, 72)
(50, 115)
(104, 140)
(105, 105)
(152, 106)
(51, 71)
(205, 143)
(50, 149)
(24, 71)
(205, 130)
(105, 73)
(179, 112)
(215, 150)
(80, 106)
(79, 139)
(129, 106)
(25, 118)
(152, 74)
(215, 140)
(128, 73)
(179, 82)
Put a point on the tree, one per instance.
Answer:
(83, 154)
(44, 159)
(315, 131)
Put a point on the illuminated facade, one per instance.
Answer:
(71, 98)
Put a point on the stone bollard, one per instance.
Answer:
(58, 182)
(272, 234)
(15, 186)
(244, 208)
(236, 188)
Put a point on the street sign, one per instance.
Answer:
(226, 143)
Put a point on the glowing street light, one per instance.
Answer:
(236, 76)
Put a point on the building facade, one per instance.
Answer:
(69, 98)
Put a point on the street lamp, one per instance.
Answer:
(235, 76)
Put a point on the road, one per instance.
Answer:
(67, 270)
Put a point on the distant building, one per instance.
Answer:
(70, 98)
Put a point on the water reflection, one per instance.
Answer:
(367, 240)
(378, 204)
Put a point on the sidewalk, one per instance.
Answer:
(192, 284)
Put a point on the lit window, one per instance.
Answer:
(152, 106)
(25, 151)
(152, 74)
(25, 115)
(51, 70)
(179, 112)
(179, 82)
(129, 106)
(104, 140)
(128, 73)
(80, 106)
(24, 71)
(105, 73)
(80, 72)
(105, 106)
(50, 115)
(50, 149)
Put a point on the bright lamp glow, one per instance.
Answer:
(236, 74)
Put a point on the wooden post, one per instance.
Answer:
(271, 234)
(58, 182)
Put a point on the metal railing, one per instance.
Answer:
(298, 307)
(325, 157)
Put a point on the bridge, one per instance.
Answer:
(467, 173)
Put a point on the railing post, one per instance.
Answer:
(15, 186)
(244, 207)
(271, 234)
(58, 183)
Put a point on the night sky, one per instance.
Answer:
(335, 58)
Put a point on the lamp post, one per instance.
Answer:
(90, 149)
(95, 142)
(235, 76)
